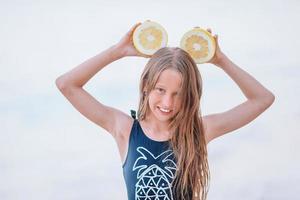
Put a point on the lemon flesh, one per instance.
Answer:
(200, 44)
(149, 37)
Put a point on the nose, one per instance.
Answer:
(167, 102)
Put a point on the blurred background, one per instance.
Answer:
(48, 150)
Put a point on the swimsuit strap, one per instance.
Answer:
(133, 114)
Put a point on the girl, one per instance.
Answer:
(163, 151)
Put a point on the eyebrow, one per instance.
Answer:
(161, 85)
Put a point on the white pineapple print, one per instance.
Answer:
(154, 182)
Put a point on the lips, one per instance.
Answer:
(164, 111)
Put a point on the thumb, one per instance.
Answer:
(134, 27)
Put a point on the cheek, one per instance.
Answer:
(178, 103)
(153, 96)
(152, 100)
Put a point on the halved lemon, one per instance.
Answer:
(200, 44)
(149, 36)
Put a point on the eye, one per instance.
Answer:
(178, 93)
(160, 90)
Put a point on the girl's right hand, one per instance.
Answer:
(125, 45)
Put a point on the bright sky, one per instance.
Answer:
(48, 150)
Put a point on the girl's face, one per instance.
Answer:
(165, 99)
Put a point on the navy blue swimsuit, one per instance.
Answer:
(149, 167)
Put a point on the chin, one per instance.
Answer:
(162, 117)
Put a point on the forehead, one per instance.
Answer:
(170, 78)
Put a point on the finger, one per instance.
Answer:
(133, 28)
(216, 39)
(144, 55)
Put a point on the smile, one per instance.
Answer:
(164, 110)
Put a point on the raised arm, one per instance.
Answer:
(258, 100)
(71, 86)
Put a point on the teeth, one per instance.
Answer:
(164, 110)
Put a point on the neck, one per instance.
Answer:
(156, 127)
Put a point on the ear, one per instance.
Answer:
(145, 89)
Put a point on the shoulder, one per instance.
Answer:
(123, 126)
(204, 124)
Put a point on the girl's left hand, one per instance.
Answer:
(219, 55)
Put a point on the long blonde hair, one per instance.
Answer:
(188, 141)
